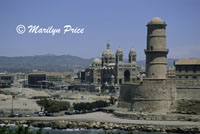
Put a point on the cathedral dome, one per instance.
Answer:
(108, 52)
(119, 51)
(156, 20)
(96, 61)
(132, 50)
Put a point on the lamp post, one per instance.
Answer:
(12, 105)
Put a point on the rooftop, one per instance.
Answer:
(188, 62)
(156, 20)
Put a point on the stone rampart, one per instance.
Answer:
(150, 96)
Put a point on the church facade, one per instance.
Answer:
(111, 68)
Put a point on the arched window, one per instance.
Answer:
(126, 76)
(120, 81)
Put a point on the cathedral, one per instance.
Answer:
(111, 69)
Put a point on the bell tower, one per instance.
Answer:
(119, 56)
(132, 56)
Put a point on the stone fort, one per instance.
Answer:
(158, 94)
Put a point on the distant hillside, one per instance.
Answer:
(170, 62)
(51, 63)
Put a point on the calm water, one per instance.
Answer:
(83, 131)
(92, 131)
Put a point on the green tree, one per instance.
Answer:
(90, 106)
(53, 105)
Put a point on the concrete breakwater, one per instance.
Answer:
(63, 124)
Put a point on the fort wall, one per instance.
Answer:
(149, 96)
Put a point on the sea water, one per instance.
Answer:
(48, 130)
(94, 131)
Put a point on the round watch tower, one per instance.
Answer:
(156, 52)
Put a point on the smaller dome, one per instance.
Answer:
(96, 61)
(156, 20)
(119, 51)
(132, 50)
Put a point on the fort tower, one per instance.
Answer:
(156, 52)
(156, 93)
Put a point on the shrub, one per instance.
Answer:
(90, 106)
(53, 105)
(20, 130)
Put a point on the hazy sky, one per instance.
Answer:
(122, 22)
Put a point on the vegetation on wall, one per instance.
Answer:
(188, 106)
(19, 130)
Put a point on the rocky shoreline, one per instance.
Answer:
(63, 124)
(157, 117)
